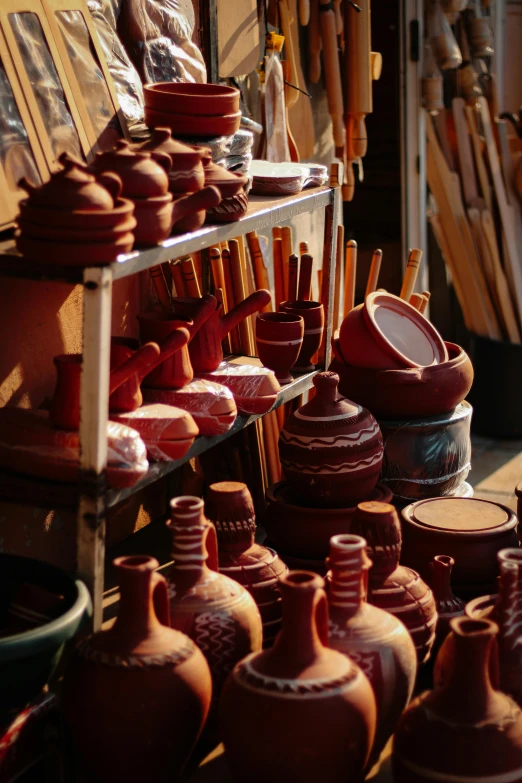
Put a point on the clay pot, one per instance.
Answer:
(299, 711)
(140, 667)
(65, 404)
(196, 126)
(75, 235)
(330, 449)
(206, 352)
(142, 176)
(194, 99)
(412, 393)
(313, 317)
(387, 333)
(83, 220)
(229, 506)
(73, 188)
(279, 337)
(229, 209)
(464, 730)
(186, 174)
(188, 212)
(302, 531)
(448, 605)
(128, 396)
(393, 587)
(217, 612)
(73, 254)
(470, 530)
(176, 371)
(228, 183)
(375, 640)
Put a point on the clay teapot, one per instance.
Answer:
(74, 188)
(177, 370)
(206, 352)
(142, 175)
(331, 448)
(64, 411)
(128, 396)
(186, 174)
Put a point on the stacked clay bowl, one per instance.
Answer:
(196, 111)
(75, 218)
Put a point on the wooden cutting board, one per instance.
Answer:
(300, 114)
(238, 37)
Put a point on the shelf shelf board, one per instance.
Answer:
(263, 212)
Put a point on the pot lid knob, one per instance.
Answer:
(326, 384)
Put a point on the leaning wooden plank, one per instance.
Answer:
(485, 259)
(452, 267)
(501, 284)
(467, 169)
(482, 172)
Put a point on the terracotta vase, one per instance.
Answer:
(205, 349)
(279, 337)
(374, 639)
(464, 730)
(448, 605)
(331, 449)
(186, 174)
(217, 612)
(393, 587)
(136, 696)
(229, 506)
(299, 711)
(176, 371)
(313, 317)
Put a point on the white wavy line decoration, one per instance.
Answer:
(345, 467)
(337, 441)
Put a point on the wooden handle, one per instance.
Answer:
(138, 363)
(350, 272)
(258, 264)
(416, 301)
(161, 288)
(338, 17)
(375, 268)
(348, 186)
(189, 274)
(235, 343)
(358, 76)
(304, 12)
(376, 65)
(424, 304)
(303, 248)
(291, 75)
(177, 278)
(293, 274)
(287, 252)
(314, 43)
(279, 285)
(332, 72)
(305, 277)
(410, 276)
(219, 293)
(277, 232)
(239, 295)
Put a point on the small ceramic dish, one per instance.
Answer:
(387, 333)
(277, 179)
(193, 125)
(63, 254)
(86, 220)
(194, 99)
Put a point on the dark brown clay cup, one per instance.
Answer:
(313, 316)
(279, 338)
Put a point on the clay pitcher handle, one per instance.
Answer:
(162, 159)
(211, 545)
(160, 598)
(252, 304)
(111, 182)
(321, 616)
(207, 306)
(174, 342)
(207, 198)
(136, 364)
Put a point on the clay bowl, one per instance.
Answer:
(193, 125)
(76, 235)
(154, 219)
(81, 219)
(305, 531)
(469, 530)
(193, 99)
(279, 337)
(313, 317)
(410, 393)
(62, 254)
(387, 333)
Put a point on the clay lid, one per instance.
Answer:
(162, 141)
(229, 500)
(462, 516)
(328, 403)
(142, 175)
(73, 188)
(218, 175)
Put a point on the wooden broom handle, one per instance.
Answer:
(305, 277)
(410, 276)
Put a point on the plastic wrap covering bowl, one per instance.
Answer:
(427, 458)
(469, 530)
(41, 608)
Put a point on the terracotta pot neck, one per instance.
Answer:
(136, 615)
(379, 524)
(509, 605)
(349, 567)
(189, 529)
(441, 567)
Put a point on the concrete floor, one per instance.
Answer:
(496, 468)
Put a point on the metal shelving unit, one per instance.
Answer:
(93, 499)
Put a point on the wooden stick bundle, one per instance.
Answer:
(161, 288)
(177, 278)
(305, 277)
(258, 265)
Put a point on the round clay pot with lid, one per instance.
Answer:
(228, 504)
(299, 711)
(142, 175)
(181, 98)
(83, 220)
(279, 337)
(313, 316)
(469, 530)
(385, 332)
(331, 449)
(186, 174)
(154, 219)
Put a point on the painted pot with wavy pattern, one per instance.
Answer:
(300, 711)
(136, 697)
(331, 449)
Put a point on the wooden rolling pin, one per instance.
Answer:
(410, 276)
(358, 77)
(332, 72)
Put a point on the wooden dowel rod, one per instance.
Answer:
(277, 250)
(220, 296)
(303, 248)
(218, 276)
(287, 251)
(198, 268)
(177, 278)
(277, 232)
(229, 293)
(160, 286)
(305, 277)
(375, 268)
(424, 304)
(293, 274)
(350, 273)
(416, 301)
(248, 283)
(239, 295)
(338, 276)
(410, 276)
(189, 275)
(258, 264)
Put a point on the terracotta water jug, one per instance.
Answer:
(177, 370)
(136, 696)
(229, 505)
(448, 605)
(206, 352)
(300, 711)
(464, 730)
(393, 587)
(376, 640)
(331, 449)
